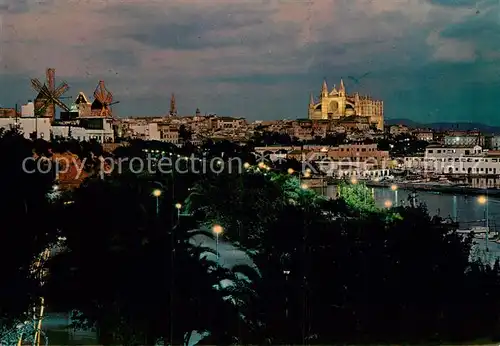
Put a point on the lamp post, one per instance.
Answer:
(388, 204)
(395, 189)
(483, 200)
(157, 194)
(217, 229)
(287, 273)
(178, 206)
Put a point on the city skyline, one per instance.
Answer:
(428, 61)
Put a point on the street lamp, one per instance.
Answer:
(217, 229)
(178, 206)
(290, 171)
(246, 165)
(484, 201)
(287, 273)
(304, 186)
(395, 189)
(388, 204)
(354, 181)
(157, 194)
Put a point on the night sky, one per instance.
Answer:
(428, 60)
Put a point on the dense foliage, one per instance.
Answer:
(139, 270)
(26, 223)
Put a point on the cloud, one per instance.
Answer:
(258, 59)
(455, 3)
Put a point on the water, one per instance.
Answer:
(464, 209)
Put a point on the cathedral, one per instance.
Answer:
(338, 105)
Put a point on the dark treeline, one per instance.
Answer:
(138, 270)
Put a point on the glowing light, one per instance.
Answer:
(387, 204)
(246, 165)
(217, 229)
(354, 181)
(157, 192)
(304, 186)
(482, 200)
(307, 174)
(178, 206)
(290, 171)
(394, 187)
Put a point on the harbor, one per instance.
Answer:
(436, 187)
(470, 212)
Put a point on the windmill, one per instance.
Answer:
(103, 100)
(48, 95)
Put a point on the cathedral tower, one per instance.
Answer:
(338, 104)
(173, 106)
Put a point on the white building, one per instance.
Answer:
(452, 151)
(95, 128)
(28, 110)
(146, 131)
(358, 170)
(28, 126)
(456, 160)
(78, 133)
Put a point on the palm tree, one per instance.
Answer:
(130, 273)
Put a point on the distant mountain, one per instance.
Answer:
(446, 126)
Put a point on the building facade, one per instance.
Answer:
(28, 126)
(337, 104)
(464, 140)
(95, 128)
(464, 161)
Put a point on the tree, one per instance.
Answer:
(367, 273)
(245, 203)
(358, 197)
(133, 274)
(27, 228)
